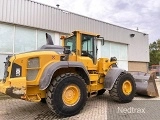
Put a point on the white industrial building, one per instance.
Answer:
(23, 24)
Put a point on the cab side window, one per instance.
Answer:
(71, 42)
(87, 46)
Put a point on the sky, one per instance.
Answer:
(132, 14)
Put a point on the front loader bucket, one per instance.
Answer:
(145, 84)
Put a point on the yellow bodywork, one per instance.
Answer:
(23, 88)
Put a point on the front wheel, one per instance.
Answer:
(67, 94)
(124, 88)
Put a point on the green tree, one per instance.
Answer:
(154, 50)
(158, 44)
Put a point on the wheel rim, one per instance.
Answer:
(71, 95)
(127, 87)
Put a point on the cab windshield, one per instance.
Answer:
(71, 42)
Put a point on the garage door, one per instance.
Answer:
(110, 49)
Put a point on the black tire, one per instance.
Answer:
(117, 93)
(100, 92)
(55, 91)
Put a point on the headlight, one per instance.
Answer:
(32, 68)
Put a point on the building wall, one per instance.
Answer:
(138, 48)
(23, 24)
(29, 13)
(138, 66)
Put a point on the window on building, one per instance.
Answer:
(25, 39)
(6, 38)
(105, 49)
(114, 50)
(123, 53)
(111, 49)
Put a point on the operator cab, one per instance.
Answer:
(83, 44)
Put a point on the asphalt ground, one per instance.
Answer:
(97, 108)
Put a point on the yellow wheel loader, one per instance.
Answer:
(65, 76)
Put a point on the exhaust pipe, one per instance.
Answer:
(145, 83)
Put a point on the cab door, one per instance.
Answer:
(88, 52)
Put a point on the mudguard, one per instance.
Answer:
(51, 69)
(111, 77)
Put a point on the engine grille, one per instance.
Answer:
(33, 66)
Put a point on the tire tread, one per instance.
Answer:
(52, 88)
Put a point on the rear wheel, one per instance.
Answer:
(67, 94)
(124, 88)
